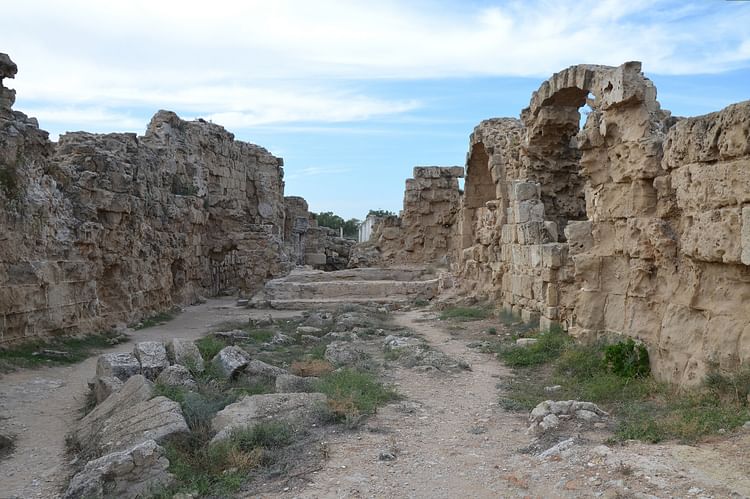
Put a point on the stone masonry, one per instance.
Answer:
(97, 229)
(637, 223)
(422, 233)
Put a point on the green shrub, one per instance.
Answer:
(465, 313)
(548, 347)
(209, 346)
(627, 359)
(352, 394)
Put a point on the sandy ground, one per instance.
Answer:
(451, 439)
(449, 436)
(39, 406)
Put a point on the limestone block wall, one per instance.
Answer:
(424, 229)
(103, 229)
(635, 224)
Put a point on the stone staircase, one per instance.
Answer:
(303, 288)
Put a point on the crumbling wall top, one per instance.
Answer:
(438, 171)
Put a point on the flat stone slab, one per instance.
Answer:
(296, 409)
(185, 352)
(118, 365)
(128, 474)
(153, 358)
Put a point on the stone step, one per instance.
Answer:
(310, 289)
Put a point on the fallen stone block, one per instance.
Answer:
(127, 418)
(119, 365)
(131, 473)
(185, 352)
(105, 386)
(152, 356)
(230, 361)
(343, 353)
(289, 383)
(177, 376)
(296, 409)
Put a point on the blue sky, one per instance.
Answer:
(353, 94)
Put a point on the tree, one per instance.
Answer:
(381, 213)
(333, 221)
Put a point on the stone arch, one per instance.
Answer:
(554, 152)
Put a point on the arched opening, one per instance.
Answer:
(479, 188)
(553, 156)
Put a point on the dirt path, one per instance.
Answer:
(452, 439)
(39, 406)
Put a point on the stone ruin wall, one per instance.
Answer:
(97, 230)
(637, 224)
(423, 231)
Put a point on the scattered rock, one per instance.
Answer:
(479, 344)
(307, 339)
(746, 426)
(128, 474)
(552, 389)
(153, 358)
(105, 386)
(557, 449)
(230, 361)
(289, 383)
(524, 342)
(156, 419)
(296, 409)
(233, 336)
(340, 336)
(185, 352)
(266, 321)
(343, 353)
(178, 376)
(318, 319)
(281, 339)
(309, 330)
(540, 416)
(257, 371)
(396, 342)
(119, 365)
(386, 455)
(351, 320)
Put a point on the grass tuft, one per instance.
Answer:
(549, 346)
(56, 351)
(353, 394)
(465, 313)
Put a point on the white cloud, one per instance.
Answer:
(244, 63)
(314, 171)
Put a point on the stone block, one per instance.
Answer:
(299, 410)
(545, 323)
(230, 361)
(105, 386)
(554, 254)
(714, 236)
(579, 236)
(528, 211)
(524, 191)
(152, 356)
(178, 376)
(320, 258)
(184, 352)
(745, 242)
(119, 365)
(530, 317)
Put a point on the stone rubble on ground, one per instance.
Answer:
(230, 361)
(119, 365)
(152, 356)
(185, 352)
(549, 414)
(177, 376)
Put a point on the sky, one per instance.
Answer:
(354, 94)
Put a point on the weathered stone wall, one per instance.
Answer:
(423, 231)
(636, 224)
(102, 229)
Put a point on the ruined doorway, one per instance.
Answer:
(479, 189)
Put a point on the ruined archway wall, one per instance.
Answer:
(660, 256)
(492, 159)
(424, 231)
(103, 229)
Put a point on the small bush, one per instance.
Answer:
(492, 331)
(56, 351)
(272, 435)
(353, 393)
(627, 359)
(549, 346)
(209, 346)
(465, 313)
(200, 407)
(156, 320)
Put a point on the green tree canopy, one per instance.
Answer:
(333, 221)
